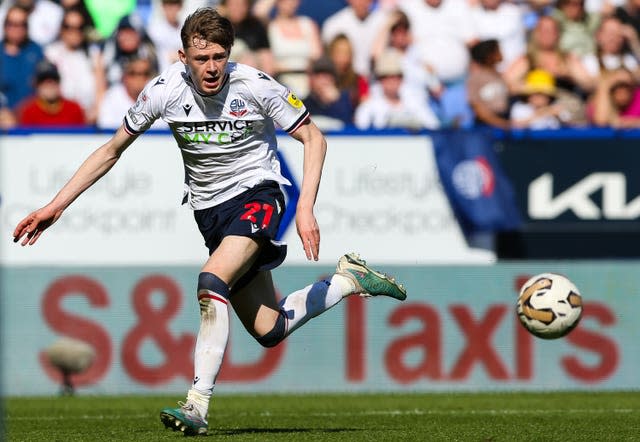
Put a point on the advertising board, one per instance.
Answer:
(380, 196)
(580, 196)
(456, 331)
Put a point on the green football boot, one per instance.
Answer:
(185, 419)
(369, 282)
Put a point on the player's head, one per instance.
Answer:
(206, 25)
(207, 38)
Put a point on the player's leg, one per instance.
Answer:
(270, 321)
(232, 258)
(236, 232)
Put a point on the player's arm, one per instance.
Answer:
(315, 149)
(94, 167)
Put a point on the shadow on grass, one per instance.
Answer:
(239, 431)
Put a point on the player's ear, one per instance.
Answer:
(182, 56)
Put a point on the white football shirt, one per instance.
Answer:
(227, 140)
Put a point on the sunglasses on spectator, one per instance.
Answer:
(622, 84)
(138, 73)
(72, 27)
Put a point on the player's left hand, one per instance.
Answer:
(309, 233)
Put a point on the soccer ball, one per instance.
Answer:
(549, 305)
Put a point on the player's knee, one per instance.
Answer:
(211, 289)
(208, 283)
(276, 334)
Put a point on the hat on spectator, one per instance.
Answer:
(539, 81)
(401, 21)
(388, 63)
(131, 21)
(45, 70)
(323, 65)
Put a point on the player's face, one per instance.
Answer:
(207, 62)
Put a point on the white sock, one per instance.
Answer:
(314, 299)
(200, 402)
(210, 346)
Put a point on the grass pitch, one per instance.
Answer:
(611, 416)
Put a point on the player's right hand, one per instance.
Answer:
(309, 233)
(32, 226)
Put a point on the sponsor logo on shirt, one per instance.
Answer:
(293, 100)
(135, 110)
(140, 102)
(215, 132)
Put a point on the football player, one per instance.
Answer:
(223, 116)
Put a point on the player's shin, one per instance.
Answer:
(212, 339)
(304, 304)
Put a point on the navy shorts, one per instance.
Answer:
(255, 213)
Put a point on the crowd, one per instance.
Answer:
(416, 64)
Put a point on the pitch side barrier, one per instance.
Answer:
(578, 192)
(121, 276)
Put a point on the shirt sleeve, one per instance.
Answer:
(147, 108)
(520, 112)
(362, 117)
(280, 104)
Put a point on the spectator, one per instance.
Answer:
(577, 27)
(45, 17)
(251, 31)
(487, 91)
(76, 60)
(503, 21)
(443, 30)
(121, 96)
(341, 54)
(7, 117)
(617, 46)
(360, 24)
(330, 107)
(295, 43)
(390, 105)
(616, 101)
(629, 14)
(397, 35)
(164, 31)
(81, 7)
(544, 52)
(129, 41)
(19, 58)
(48, 107)
(536, 109)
